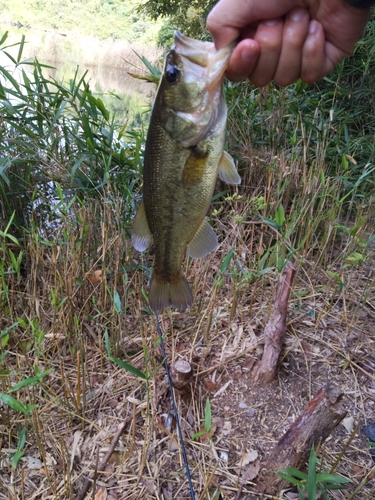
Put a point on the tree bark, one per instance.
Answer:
(322, 414)
(274, 332)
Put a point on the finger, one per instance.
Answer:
(228, 18)
(319, 57)
(268, 35)
(243, 60)
(295, 31)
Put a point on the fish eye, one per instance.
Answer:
(172, 73)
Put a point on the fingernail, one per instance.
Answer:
(271, 22)
(298, 14)
(313, 27)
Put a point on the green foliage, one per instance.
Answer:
(58, 143)
(189, 16)
(116, 19)
(165, 35)
(207, 422)
(17, 455)
(313, 483)
(337, 113)
(16, 405)
(122, 364)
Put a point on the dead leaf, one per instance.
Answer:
(173, 445)
(101, 494)
(209, 384)
(204, 438)
(251, 471)
(150, 486)
(180, 347)
(32, 463)
(112, 496)
(348, 423)
(115, 458)
(248, 458)
(95, 276)
(75, 448)
(249, 363)
(306, 349)
(227, 426)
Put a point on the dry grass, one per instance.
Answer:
(65, 295)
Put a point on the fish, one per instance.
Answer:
(184, 154)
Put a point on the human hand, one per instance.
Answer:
(286, 40)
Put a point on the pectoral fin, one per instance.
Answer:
(227, 169)
(204, 241)
(141, 234)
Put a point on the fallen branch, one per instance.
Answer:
(101, 467)
(275, 329)
(322, 414)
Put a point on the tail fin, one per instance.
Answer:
(177, 294)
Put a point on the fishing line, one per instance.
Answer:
(177, 417)
(174, 406)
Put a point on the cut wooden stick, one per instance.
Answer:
(322, 414)
(181, 373)
(101, 467)
(275, 329)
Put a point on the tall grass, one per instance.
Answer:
(73, 293)
(307, 157)
(58, 141)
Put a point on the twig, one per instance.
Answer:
(101, 467)
(276, 327)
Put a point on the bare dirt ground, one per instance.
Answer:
(330, 339)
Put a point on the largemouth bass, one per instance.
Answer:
(183, 156)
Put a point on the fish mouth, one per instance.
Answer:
(205, 65)
(201, 59)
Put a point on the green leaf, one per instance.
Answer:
(20, 50)
(13, 403)
(104, 111)
(207, 416)
(280, 216)
(4, 37)
(22, 439)
(3, 356)
(24, 383)
(271, 223)
(90, 144)
(117, 301)
(290, 479)
(296, 473)
(311, 477)
(226, 261)
(198, 434)
(325, 477)
(130, 368)
(16, 457)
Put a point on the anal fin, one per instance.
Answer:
(204, 241)
(227, 169)
(141, 234)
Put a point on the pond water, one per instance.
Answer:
(107, 62)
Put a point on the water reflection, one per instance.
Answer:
(107, 63)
